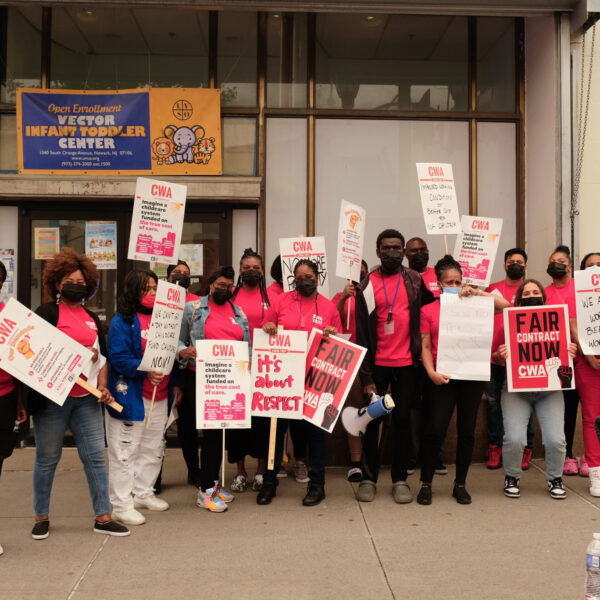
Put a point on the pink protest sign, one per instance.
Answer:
(222, 385)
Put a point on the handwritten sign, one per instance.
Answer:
(157, 220)
(332, 363)
(465, 340)
(294, 249)
(538, 349)
(587, 301)
(351, 238)
(476, 247)
(222, 385)
(38, 354)
(163, 333)
(278, 363)
(438, 197)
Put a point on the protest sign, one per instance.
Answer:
(46, 242)
(7, 256)
(151, 131)
(294, 249)
(476, 247)
(538, 349)
(157, 221)
(222, 385)
(163, 333)
(38, 354)
(438, 197)
(351, 230)
(193, 255)
(587, 301)
(331, 366)
(278, 364)
(465, 337)
(101, 243)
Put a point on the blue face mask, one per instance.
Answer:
(451, 290)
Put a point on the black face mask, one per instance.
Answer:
(391, 261)
(74, 292)
(556, 270)
(306, 286)
(220, 296)
(515, 271)
(251, 277)
(181, 280)
(418, 261)
(532, 301)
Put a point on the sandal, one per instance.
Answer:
(355, 474)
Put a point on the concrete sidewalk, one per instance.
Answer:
(531, 548)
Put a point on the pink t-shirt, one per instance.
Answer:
(79, 326)
(189, 297)
(430, 323)
(221, 324)
(274, 290)
(393, 341)
(508, 293)
(349, 302)
(250, 301)
(562, 295)
(295, 312)
(7, 384)
(430, 279)
(162, 390)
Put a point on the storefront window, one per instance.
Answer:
(112, 48)
(496, 65)
(8, 143)
(286, 60)
(20, 52)
(392, 62)
(239, 146)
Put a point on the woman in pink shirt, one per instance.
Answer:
(180, 274)
(303, 309)
(250, 294)
(276, 288)
(562, 291)
(71, 279)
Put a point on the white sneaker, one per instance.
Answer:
(129, 517)
(301, 472)
(1, 550)
(151, 503)
(595, 482)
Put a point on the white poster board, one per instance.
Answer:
(278, 364)
(163, 333)
(351, 239)
(223, 388)
(38, 354)
(193, 255)
(587, 301)
(7, 256)
(438, 197)
(465, 337)
(476, 247)
(294, 249)
(157, 221)
(101, 243)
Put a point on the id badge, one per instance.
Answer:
(388, 328)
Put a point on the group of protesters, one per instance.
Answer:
(394, 313)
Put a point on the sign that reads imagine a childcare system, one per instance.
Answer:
(278, 363)
(538, 349)
(157, 221)
(438, 197)
(222, 385)
(172, 131)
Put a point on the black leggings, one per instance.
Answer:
(8, 415)
(571, 405)
(466, 396)
(186, 425)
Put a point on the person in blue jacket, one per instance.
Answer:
(214, 317)
(135, 451)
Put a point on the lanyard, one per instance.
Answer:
(390, 307)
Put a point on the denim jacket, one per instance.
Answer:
(188, 338)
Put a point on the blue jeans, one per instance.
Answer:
(83, 416)
(493, 390)
(549, 408)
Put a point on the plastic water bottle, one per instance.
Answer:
(592, 578)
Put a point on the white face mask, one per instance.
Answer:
(450, 290)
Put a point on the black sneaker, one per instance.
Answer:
(40, 530)
(460, 493)
(441, 469)
(111, 528)
(511, 487)
(424, 495)
(556, 489)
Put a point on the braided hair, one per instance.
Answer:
(249, 253)
(446, 264)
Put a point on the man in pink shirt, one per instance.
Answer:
(515, 265)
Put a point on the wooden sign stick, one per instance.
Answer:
(273, 434)
(348, 301)
(223, 462)
(446, 242)
(92, 390)
(151, 408)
